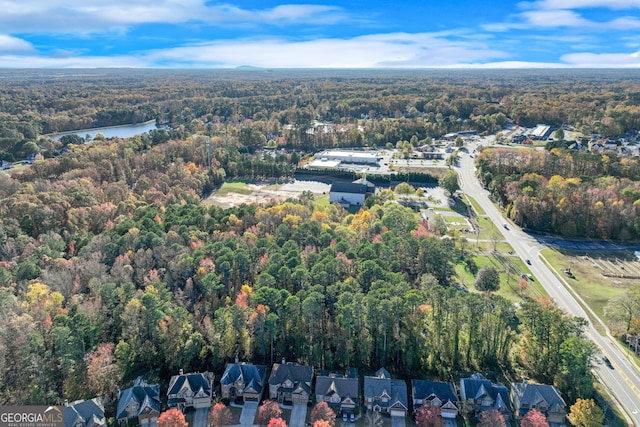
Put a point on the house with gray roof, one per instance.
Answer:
(435, 393)
(244, 381)
(290, 383)
(141, 402)
(386, 395)
(194, 390)
(339, 391)
(480, 394)
(545, 398)
(85, 413)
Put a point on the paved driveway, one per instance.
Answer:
(200, 417)
(398, 422)
(248, 413)
(298, 415)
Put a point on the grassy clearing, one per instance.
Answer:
(509, 268)
(488, 231)
(594, 288)
(234, 187)
(321, 200)
(476, 206)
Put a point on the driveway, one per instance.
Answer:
(200, 417)
(248, 413)
(298, 415)
(398, 422)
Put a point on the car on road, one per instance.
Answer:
(344, 417)
(528, 261)
(352, 417)
(607, 362)
(505, 225)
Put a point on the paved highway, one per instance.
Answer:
(621, 378)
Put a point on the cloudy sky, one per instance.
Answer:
(319, 34)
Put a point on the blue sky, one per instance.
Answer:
(319, 33)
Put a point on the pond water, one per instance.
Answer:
(123, 131)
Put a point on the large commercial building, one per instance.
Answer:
(345, 156)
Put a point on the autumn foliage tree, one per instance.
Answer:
(429, 416)
(268, 411)
(491, 418)
(277, 422)
(322, 412)
(534, 418)
(586, 413)
(220, 415)
(322, 423)
(103, 373)
(172, 418)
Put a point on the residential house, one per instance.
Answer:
(243, 380)
(339, 391)
(435, 393)
(479, 394)
(85, 413)
(142, 401)
(194, 390)
(383, 394)
(545, 398)
(290, 383)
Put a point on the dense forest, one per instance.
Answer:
(255, 107)
(565, 192)
(111, 267)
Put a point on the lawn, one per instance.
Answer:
(234, 187)
(589, 282)
(476, 206)
(509, 268)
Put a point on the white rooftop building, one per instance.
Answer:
(348, 156)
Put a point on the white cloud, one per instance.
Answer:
(96, 16)
(13, 44)
(378, 50)
(381, 50)
(584, 4)
(554, 18)
(603, 60)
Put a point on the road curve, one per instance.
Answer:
(622, 379)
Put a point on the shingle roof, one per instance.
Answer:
(344, 387)
(142, 393)
(90, 412)
(195, 381)
(534, 394)
(422, 389)
(290, 371)
(477, 387)
(249, 373)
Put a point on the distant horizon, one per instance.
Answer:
(331, 34)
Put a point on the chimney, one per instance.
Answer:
(237, 360)
(283, 361)
(181, 371)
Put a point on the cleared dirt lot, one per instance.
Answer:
(237, 193)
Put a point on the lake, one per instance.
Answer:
(123, 131)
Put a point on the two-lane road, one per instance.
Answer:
(623, 380)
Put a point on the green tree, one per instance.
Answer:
(487, 280)
(449, 181)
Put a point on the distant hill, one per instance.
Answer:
(248, 68)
